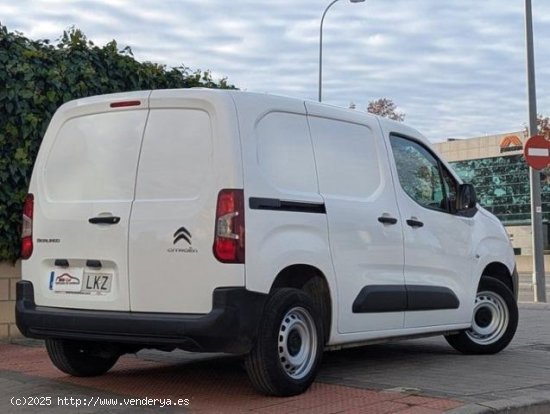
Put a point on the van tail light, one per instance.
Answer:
(229, 232)
(26, 231)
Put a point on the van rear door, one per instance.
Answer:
(83, 185)
(190, 152)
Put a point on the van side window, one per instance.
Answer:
(347, 158)
(420, 175)
(284, 152)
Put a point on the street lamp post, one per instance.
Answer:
(321, 44)
(539, 279)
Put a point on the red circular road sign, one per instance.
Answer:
(537, 152)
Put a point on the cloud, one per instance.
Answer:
(457, 69)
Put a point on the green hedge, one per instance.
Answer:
(36, 77)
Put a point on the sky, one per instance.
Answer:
(456, 68)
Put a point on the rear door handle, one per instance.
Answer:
(387, 220)
(414, 223)
(104, 220)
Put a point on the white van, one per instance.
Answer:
(225, 221)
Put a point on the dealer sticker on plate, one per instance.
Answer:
(75, 280)
(66, 280)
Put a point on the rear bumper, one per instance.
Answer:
(231, 326)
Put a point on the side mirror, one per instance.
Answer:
(466, 197)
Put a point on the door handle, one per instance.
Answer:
(414, 223)
(104, 220)
(387, 220)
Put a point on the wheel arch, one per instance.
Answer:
(313, 281)
(501, 272)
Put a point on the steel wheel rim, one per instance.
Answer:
(297, 343)
(485, 334)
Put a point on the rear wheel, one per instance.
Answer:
(82, 359)
(288, 350)
(494, 321)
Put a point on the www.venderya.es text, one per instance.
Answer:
(97, 402)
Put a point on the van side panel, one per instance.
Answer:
(279, 166)
(190, 152)
(355, 182)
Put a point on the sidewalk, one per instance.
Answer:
(520, 375)
(418, 376)
(526, 293)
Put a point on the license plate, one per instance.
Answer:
(97, 282)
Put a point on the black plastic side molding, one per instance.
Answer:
(381, 298)
(430, 298)
(259, 203)
(402, 298)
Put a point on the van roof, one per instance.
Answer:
(199, 92)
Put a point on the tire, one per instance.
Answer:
(494, 320)
(289, 346)
(82, 359)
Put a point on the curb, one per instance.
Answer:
(532, 403)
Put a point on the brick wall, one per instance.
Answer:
(9, 275)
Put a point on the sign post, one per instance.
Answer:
(539, 282)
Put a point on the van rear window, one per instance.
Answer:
(94, 157)
(176, 156)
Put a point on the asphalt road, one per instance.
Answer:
(432, 367)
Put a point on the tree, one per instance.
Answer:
(36, 77)
(386, 108)
(543, 124)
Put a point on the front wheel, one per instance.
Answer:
(494, 322)
(289, 346)
(82, 359)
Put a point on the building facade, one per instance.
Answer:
(496, 167)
